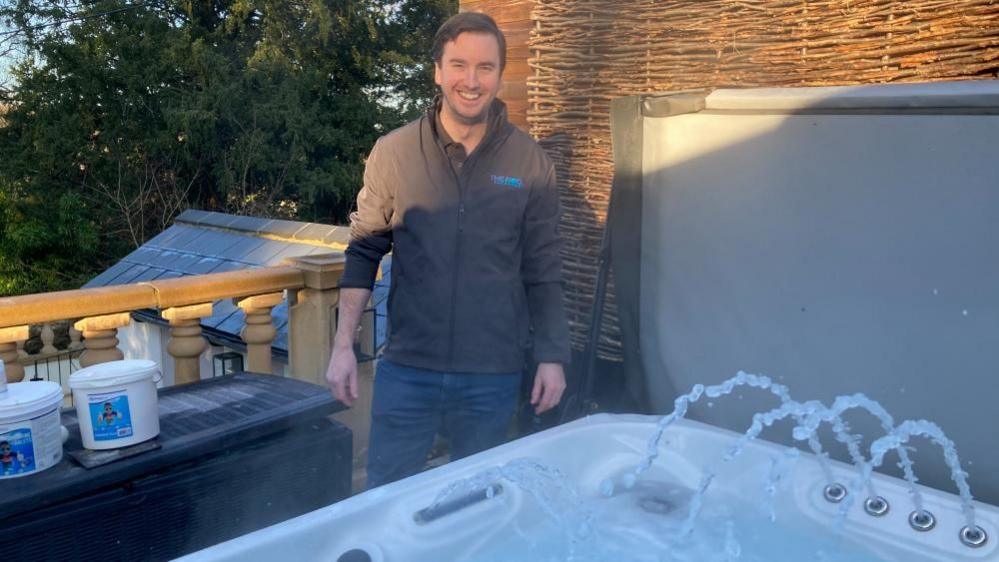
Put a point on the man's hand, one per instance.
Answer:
(549, 384)
(341, 375)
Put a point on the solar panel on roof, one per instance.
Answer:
(105, 278)
(313, 232)
(129, 275)
(224, 266)
(184, 238)
(188, 248)
(292, 251)
(149, 274)
(250, 224)
(283, 228)
(214, 244)
(165, 236)
(242, 248)
(263, 253)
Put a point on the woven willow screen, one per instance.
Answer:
(586, 52)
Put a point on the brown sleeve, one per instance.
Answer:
(370, 224)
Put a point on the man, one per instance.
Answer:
(468, 205)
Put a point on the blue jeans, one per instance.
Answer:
(410, 406)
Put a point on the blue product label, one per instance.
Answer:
(109, 415)
(17, 452)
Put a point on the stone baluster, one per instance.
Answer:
(75, 337)
(259, 331)
(9, 338)
(311, 322)
(311, 315)
(100, 338)
(48, 339)
(186, 342)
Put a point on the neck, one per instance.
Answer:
(468, 134)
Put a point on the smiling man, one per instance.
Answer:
(467, 203)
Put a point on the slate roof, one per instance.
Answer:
(206, 242)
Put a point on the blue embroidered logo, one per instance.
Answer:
(508, 181)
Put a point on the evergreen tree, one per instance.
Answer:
(124, 113)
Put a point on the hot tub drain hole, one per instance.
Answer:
(656, 504)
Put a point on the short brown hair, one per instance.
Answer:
(467, 22)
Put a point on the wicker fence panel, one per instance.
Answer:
(586, 52)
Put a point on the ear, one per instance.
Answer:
(437, 73)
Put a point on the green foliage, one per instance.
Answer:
(126, 113)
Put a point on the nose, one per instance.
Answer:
(472, 77)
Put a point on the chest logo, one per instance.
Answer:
(508, 181)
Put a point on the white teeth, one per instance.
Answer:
(468, 96)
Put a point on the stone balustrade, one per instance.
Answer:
(311, 283)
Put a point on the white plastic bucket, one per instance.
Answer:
(30, 432)
(116, 403)
(3, 378)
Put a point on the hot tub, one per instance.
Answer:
(769, 504)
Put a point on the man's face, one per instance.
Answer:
(107, 408)
(5, 448)
(469, 76)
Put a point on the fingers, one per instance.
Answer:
(551, 393)
(536, 391)
(341, 375)
(353, 385)
(340, 390)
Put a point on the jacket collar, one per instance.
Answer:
(496, 123)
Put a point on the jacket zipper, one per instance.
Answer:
(455, 275)
(466, 166)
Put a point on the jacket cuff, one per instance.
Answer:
(359, 272)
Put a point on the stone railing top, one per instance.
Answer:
(194, 289)
(166, 293)
(48, 307)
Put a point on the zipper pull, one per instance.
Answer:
(461, 217)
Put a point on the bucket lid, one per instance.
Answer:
(113, 373)
(24, 399)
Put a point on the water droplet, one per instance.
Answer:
(936, 292)
(964, 312)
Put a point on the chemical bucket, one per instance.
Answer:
(116, 403)
(30, 431)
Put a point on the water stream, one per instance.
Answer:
(634, 511)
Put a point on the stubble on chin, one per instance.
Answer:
(482, 117)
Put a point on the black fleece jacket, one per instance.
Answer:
(476, 272)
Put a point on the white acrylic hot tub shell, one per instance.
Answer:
(588, 451)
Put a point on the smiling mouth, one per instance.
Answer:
(469, 96)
